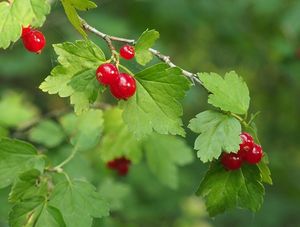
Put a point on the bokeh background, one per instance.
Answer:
(260, 39)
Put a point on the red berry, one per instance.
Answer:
(121, 165)
(106, 73)
(123, 87)
(123, 169)
(34, 41)
(231, 161)
(246, 137)
(25, 30)
(254, 155)
(127, 52)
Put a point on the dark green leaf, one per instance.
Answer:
(156, 104)
(224, 190)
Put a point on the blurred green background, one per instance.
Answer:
(260, 39)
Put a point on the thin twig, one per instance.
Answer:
(192, 76)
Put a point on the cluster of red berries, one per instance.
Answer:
(249, 152)
(33, 40)
(122, 85)
(121, 165)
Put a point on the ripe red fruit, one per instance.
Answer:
(26, 30)
(254, 155)
(34, 41)
(123, 87)
(127, 52)
(246, 138)
(121, 165)
(106, 73)
(231, 161)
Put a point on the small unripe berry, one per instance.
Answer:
(123, 87)
(231, 161)
(127, 52)
(107, 73)
(254, 155)
(34, 41)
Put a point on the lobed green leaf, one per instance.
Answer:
(229, 93)
(218, 132)
(156, 102)
(146, 41)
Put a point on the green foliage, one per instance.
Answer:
(48, 133)
(146, 41)
(71, 7)
(84, 130)
(16, 157)
(28, 185)
(225, 190)
(229, 93)
(78, 202)
(164, 154)
(117, 141)
(35, 212)
(75, 76)
(218, 132)
(159, 90)
(20, 13)
(20, 111)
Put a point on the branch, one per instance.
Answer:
(108, 38)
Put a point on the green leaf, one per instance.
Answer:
(75, 76)
(85, 130)
(146, 41)
(29, 184)
(265, 171)
(224, 190)
(218, 132)
(20, 111)
(156, 104)
(35, 213)
(164, 154)
(114, 192)
(48, 133)
(117, 141)
(229, 93)
(16, 157)
(79, 202)
(83, 4)
(73, 16)
(20, 12)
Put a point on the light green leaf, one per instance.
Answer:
(218, 132)
(28, 185)
(83, 4)
(75, 76)
(35, 213)
(114, 192)
(79, 202)
(16, 157)
(224, 190)
(146, 41)
(156, 104)
(73, 16)
(117, 141)
(20, 12)
(20, 111)
(164, 154)
(229, 93)
(48, 133)
(85, 130)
